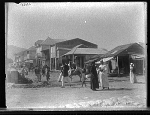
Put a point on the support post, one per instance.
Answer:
(55, 58)
(118, 67)
(81, 62)
(50, 57)
(73, 58)
(129, 62)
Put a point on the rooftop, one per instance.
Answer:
(50, 41)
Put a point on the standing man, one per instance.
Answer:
(94, 77)
(47, 71)
(60, 75)
(65, 76)
(37, 73)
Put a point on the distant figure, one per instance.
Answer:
(83, 76)
(37, 73)
(103, 75)
(65, 76)
(47, 73)
(74, 66)
(132, 74)
(94, 77)
(61, 74)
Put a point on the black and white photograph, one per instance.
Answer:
(76, 56)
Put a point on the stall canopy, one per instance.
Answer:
(137, 56)
(105, 60)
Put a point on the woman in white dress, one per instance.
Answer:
(103, 75)
(132, 75)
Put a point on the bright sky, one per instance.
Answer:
(103, 23)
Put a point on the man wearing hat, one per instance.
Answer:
(94, 77)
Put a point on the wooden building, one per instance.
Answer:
(121, 56)
(55, 48)
(27, 57)
(81, 53)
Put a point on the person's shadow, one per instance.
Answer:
(114, 89)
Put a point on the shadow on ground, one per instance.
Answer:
(44, 85)
(115, 89)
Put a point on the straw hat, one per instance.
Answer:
(131, 64)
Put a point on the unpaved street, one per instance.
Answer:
(41, 95)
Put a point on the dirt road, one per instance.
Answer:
(51, 96)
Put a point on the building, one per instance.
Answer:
(27, 57)
(30, 58)
(121, 56)
(39, 48)
(42, 51)
(81, 53)
(53, 49)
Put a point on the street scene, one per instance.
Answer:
(75, 56)
(121, 95)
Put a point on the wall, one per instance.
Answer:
(32, 54)
(38, 51)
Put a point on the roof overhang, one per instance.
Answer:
(104, 60)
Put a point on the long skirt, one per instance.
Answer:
(132, 77)
(94, 82)
(103, 79)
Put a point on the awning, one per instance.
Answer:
(137, 56)
(90, 61)
(104, 60)
(30, 61)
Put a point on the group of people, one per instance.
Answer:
(42, 71)
(98, 75)
(64, 75)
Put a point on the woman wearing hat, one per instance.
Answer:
(103, 75)
(132, 75)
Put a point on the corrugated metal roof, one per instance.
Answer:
(61, 48)
(86, 51)
(118, 50)
(50, 41)
(75, 48)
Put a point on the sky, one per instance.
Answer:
(107, 24)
